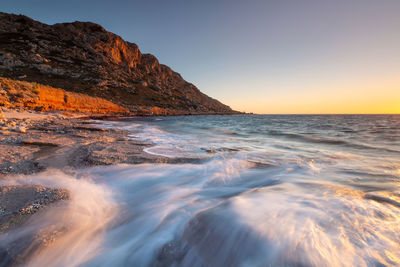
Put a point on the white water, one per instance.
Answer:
(78, 224)
(297, 201)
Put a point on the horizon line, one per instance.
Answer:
(252, 113)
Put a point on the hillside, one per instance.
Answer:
(83, 57)
(30, 95)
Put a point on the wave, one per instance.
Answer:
(330, 141)
(68, 233)
(308, 138)
(293, 229)
(158, 200)
(254, 201)
(223, 212)
(334, 228)
(385, 197)
(370, 173)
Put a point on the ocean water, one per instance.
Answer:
(265, 190)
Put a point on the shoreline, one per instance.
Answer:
(32, 142)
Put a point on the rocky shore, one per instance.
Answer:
(34, 141)
(54, 79)
(17, 202)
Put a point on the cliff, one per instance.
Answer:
(83, 57)
(35, 96)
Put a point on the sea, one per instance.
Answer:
(250, 190)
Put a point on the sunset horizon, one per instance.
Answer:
(261, 57)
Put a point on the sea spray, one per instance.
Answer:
(75, 228)
(192, 215)
(228, 212)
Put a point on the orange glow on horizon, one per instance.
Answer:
(372, 97)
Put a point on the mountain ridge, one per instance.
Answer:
(83, 57)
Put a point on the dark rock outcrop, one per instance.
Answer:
(83, 57)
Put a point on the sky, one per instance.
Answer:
(261, 56)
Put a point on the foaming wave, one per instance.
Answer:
(171, 145)
(67, 233)
(223, 171)
(312, 166)
(338, 226)
(223, 212)
(158, 200)
(286, 226)
(168, 144)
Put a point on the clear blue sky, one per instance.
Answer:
(282, 56)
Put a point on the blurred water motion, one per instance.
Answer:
(270, 191)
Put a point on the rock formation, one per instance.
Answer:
(83, 57)
(35, 96)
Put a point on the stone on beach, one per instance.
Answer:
(17, 204)
(20, 129)
(2, 117)
(16, 201)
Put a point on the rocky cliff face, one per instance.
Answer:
(83, 57)
(31, 95)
